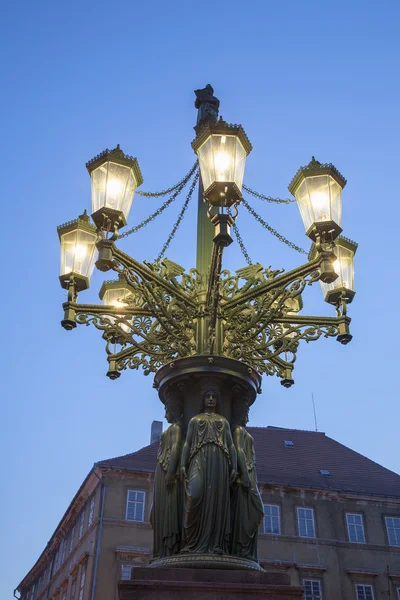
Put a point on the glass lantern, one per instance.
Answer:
(343, 286)
(115, 177)
(222, 150)
(318, 191)
(78, 252)
(115, 293)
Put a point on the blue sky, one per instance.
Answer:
(303, 78)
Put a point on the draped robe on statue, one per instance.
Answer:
(247, 506)
(207, 501)
(166, 513)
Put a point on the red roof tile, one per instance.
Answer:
(298, 466)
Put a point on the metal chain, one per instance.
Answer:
(181, 184)
(271, 229)
(240, 240)
(180, 217)
(158, 212)
(269, 198)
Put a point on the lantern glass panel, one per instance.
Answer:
(319, 199)
(344, 267)
(222, 158)
(78, 253)
(116, 297)
(113, 186)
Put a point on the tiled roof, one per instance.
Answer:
(298, 465)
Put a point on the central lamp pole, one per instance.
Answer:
(208, 107)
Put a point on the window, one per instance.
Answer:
(81, 524)
(50, 569)
(57, 559)
(355, 528)
(82, 583)
(305, 519)
(64, 545)
(73, 589)
(271, 519)
(91, 512)
(398, 593)
(324, 472)
(71, 539)
(288, 443)
(393, 530)
(364, 592)
(135, 506)
(312, 589)
(126, 571)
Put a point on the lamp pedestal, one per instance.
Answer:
(185, 380)
(204, 584)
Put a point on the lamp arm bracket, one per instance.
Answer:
(123, 263)
(279, 281)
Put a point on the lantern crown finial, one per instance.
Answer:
(315, 168)
(221, 127)
(116, 155)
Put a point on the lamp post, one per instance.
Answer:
(206, 326)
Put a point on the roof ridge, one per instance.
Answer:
(136, 452)
(285, 429)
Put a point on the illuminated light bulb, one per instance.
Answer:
(80, 252)
(222, 163)
(114, 188)
(320, 203)
(336, 266)
(118, 303)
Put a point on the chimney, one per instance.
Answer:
(156, 431)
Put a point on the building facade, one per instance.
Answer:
(331, 520)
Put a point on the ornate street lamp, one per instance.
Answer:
(115, 177)
(318, 191)
(222, 150)
(78, 251)
(343, 286)
(207, 328)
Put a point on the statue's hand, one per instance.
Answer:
(170, 479)
(232, 477)
(183, 473)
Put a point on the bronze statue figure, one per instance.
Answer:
(208, 469)
(247, 506)
(167, 509)
(207, 105)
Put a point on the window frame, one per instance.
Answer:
(91, 511)
(127, 506)
(82, 582)
(312, 581)
(298, 508)
(81, 525)
(71, 539)
(364, 540)
(365, 585)
(395, 528)
(278, 517)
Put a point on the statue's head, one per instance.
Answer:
(173, 406)
(211, 398)
(169, 416)
(240, 408)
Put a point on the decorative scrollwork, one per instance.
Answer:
(251, 316)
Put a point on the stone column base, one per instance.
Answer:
(205, 584)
